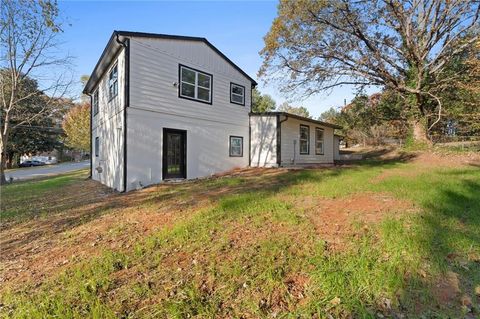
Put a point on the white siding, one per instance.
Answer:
(155, 104)
(290, 150)
(154, 68)
(263, 141)
(207, 146)
(108, 126)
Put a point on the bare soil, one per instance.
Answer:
(335, 219)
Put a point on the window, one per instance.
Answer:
(304, 139)
(318, 141)
(195, 85)
(95, 102)
(97, 146)
(113, 83)
(236, 146)
(237, 94)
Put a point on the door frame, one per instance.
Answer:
(165, 152)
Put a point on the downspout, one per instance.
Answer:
(250, 127)
(126, 45)
(279, 138)
(91, 135)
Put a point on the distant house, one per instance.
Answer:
(175, 107)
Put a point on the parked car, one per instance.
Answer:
(48, 160)
(31, 163)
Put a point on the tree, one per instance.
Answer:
(29, 44)
(330, 116)
(40, 136)
(300, 110)
(262, 102)
(401, 46)
(76, 125)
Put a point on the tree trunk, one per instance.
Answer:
(418, 127)
(10, 160)
(3, 158)
(3, 180)
(419, 133)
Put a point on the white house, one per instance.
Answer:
(282, 139)
(169, 107)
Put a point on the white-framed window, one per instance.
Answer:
(318, 141)
(304, 139)
(195, 85)
(97, 146)
(95, 102)
(237, 94)
(236, 146)
(113, 82)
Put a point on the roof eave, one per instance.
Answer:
(187, 38)
(298, 117)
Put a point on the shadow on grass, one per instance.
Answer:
(450, 223)
(448, 236)
(58, 210)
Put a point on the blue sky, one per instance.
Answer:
(236, 28)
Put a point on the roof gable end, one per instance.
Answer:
(113, 43)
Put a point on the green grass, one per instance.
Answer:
(19, 199)
(236, 258)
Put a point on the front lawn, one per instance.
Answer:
(397, 238)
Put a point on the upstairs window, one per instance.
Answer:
(318, 141)
(97, 146)
(195, 85)
(236, 146)
(95, 102)
(304, 139)
(113, 83)
(237, 94)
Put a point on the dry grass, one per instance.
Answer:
(364, 240)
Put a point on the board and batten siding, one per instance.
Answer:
(290, 150)
(107, 125)
(263, 149)
(155, 104)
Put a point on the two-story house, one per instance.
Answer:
(175, 107)
(166, 107)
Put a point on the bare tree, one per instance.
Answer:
(399, 45)
(29, 38)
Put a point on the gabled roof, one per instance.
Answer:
(113, 46)
(298, 117)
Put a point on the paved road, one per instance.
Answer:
(47, 170)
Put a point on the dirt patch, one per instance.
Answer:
(447, 289)
(431, 159)
(334, 218)
(296, 285)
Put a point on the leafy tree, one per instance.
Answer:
(299, 110)
(262, 102)
(332, 115)
(401, 46)
(40, 136)
(28, 41)
(76, 125)
(370, 119)
(42, 133)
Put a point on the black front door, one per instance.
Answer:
(174, 153)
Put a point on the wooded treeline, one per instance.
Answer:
(421, 53)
